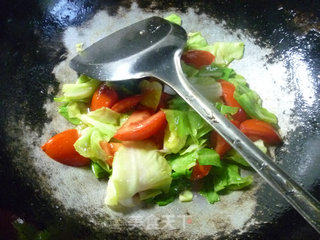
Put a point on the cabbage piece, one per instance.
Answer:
(98, 171)
(186, 196)
(226, 177)
(80, 91)
(101, 125)
(224, 52)
(174, 19)
(250, 101)
(177, 186)
(208, 87)
(151, 91)
(173, 143)
(88, 145)
(234, 156)
(224, 109)
(182, 163)
(104, 119)
(72, 111)
(137, 167)
(182, 124)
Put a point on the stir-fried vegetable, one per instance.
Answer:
(152, 145)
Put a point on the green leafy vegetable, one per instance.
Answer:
(252, 104)
(104, 119)
(207, 86)
(182, 164)
(98, 171)
(177, 186)
(186, 196)
(130, 175)
(208, 156)
(208, 190)
(226, 177)
(80, 91)
(188, 70)
(182, 123)
(173, 143)
(174, 19)
(224, 109)
(88, 145)
(72, 111)
(196, 41)
(151, 92)
(101, 124)
(234, 156)
(224, 52)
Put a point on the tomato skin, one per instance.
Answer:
(198, 58)
(104, 96)
(126, 104)
(257, 129)
(220, 145)
(227, 95)
(110, 149)
(138, 116)
(158, 137)
(139, 128)
(60, 148)
(240, 116)
(200, 171)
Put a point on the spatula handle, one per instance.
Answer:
(298, 197)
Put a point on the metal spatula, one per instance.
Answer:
(153, 47)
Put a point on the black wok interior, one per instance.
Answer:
(31, 46)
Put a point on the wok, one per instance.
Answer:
(282, 63)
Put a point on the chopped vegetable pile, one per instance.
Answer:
(151, 145)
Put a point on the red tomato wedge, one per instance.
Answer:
(60, 148)
(198, 58)
(227, 95)
(200, 171)
(220, 145)
(126, 104)
(158, 137)
(110, 149)
(104, 96)
(257, 129)
(140, 126)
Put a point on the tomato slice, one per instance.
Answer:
(200, 171)
(104, 96)
(257, 129)
(227, 95)
(139, 126)
(240, 116)
(158, 137)
(60, 148)
(198, 58)
(220, 145)
(110, 149)
(126, 104)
